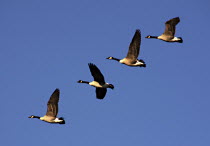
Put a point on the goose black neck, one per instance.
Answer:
(115, 59)
(86, 82)
(154, 37)
(36, 117)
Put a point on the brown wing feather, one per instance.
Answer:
(134, 47)
(170, 26)
(52, 105)
(96, 73)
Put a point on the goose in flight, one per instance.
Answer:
(133, 52)
(99, 82)
(170, 29)
(52, 110)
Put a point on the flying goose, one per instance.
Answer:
(98, 82)
(170, 29)
(133, 52)
(52, 110)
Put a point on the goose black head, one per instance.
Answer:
(109, 57)
(149, 36)
(32, 116)
(80, 81)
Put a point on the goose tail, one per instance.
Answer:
(62, 120)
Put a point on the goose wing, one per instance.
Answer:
(170, 26)
(100, 93)
(134, 47)
(96, 73)
(52, 105)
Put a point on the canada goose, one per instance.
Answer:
(133, 52)
(52, 110)
(170, 29)
(98, 82)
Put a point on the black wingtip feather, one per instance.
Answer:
(57, 90)
(91, 64)
(138, 30)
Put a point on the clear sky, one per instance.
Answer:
(47, 44)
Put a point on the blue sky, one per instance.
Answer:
(48, 44)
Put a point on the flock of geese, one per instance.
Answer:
(99, 82)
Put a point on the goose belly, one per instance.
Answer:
(166, 38)
(48, 119)
(95, 84)
(131, 63)
(126, 61)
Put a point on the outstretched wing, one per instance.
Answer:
(170, 26)
(100, 93)
(96, 73)
(52, 105)
(134, 47)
